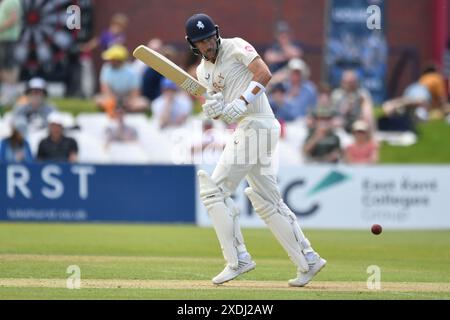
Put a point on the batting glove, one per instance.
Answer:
(234, 110)
(213, 106)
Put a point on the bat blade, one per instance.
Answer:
(169, 70)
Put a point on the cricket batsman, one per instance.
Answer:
(236, 77)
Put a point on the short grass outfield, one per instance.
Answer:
(177, 262)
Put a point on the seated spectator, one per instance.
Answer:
(281, 107)
(173, 107)
(34, 107)
(323, 101)
(119, 81)
(283, 49)
(352, 102)
(402, 114)
(138, 66)
(324, 95)
(120, 131)
(151, 80)
(364, 150)
(301, 93)
(435, 84)
(114, 34)
(16, 148)
(57, 147)
(322, 145)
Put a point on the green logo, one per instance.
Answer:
(332, 179)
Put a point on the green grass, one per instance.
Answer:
(154, 252)
(432, 146)
(75, 106)
(146, 294)
(71, 105)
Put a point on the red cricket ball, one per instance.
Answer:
(376, 229)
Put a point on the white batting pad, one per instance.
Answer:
(283, 228)
(221, 217)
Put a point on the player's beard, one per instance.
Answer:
(211, 54)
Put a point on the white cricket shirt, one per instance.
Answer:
(230, 75)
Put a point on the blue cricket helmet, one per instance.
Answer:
(200, 26)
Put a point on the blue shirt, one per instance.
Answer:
(108, 39)
(9, 154)
(151, 84)
(284, 112)
(305, 100)
(121, 81)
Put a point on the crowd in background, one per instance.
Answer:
(331, 125)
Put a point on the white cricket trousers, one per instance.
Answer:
(248, 154)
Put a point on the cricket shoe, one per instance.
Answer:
(303, 278)
(244, 265)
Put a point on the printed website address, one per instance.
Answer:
(47, 214)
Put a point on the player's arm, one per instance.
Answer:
(257, 86)
(261, 77)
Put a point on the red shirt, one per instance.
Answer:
(361, 153)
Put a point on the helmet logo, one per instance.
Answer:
(200, 25)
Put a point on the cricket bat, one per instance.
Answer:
(169, 70)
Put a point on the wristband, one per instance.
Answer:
(249, 94)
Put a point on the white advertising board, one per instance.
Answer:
(355, 197)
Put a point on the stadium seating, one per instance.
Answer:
(154, 145)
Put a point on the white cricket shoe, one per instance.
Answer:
(244, 265)
(303, 278)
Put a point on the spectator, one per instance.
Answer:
(16, 148)
(120, 131)
(402, 114)
(352, 102)
(151, 84)
(344, 53)
(139, 66)
(323, 101)
(151, 81)
(34, 107)
(435, 84)
(301, 93)
(322, 145)
(115, 34)
(364, 150)
(10, 29)
(283, 49)
(281, 107)
(118, 81)
(324, 95)
(173, 107)
(57, 147)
